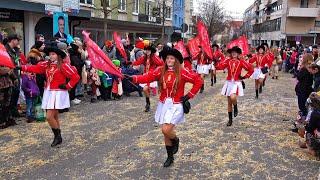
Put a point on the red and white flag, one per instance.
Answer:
(5, 59)
(194, 48)
(204, 37)
(119, 45)
(98, 58)
(182, 49)
(242, 43)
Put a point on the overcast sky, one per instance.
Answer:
(234, 6)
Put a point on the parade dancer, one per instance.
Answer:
(261, 69)
(55, 95)
(202, 67)
(217, 56)
(173, 102)
(150, 61)
(233, 87)
(270, 56)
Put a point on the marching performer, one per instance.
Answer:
(217, 56)
(270, 56)
(261, 69)
(55, 95)
(150, 61)
(233, 87)
(202, 67)
(173, 102)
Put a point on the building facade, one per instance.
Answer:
(283, 22)
(130, 18)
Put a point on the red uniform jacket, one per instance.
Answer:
(149, 64)
(218, 56)
(203, 59)
(187, 64)
(168, 83)
(293, 57)
(54, 75)
(235, 67)
(271, 58)
(260, 60)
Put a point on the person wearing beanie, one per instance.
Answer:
(150, 61)
(117, 84)
(261, 62)
(55, 95)
(173, 103)
(233, 87)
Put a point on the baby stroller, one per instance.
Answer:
(128, 86)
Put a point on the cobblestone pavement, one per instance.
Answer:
(117, 140)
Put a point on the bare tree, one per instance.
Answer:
(213, 15)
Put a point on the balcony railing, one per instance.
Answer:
(303, 12)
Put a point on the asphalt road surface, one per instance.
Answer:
(117, 140)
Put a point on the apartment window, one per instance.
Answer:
(175, 18)
(122, 5)
(136, 6)
(148, 8)
(318, 2)
(90, 2)
(317, 24)
(304, 3)
(168, 13)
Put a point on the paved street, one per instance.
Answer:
(117, 140)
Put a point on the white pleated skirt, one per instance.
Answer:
(232, 87)
(55, 99)
(211, 66)
(257, 74)
(203, 69)
(154, 84)
(169, 113)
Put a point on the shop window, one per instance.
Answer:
(317, 24)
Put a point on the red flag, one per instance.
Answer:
(242, 43)
(180, 47)
(193, 45)
(5, 59)
(204, 37)
(119, 45)
(98, 59)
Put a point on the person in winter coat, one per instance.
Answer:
(35, 56)
(315, 70)
(56, 95)
(304, 85)
(31, 92)
(76, 61)
(6, 84)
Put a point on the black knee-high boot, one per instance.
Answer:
(243, 85)
(235, 110)
(211, 81)
(202, 88)
(260, 89)
(257, 93)
(170, 158)
(215, 79)
(57, 137)
(175, 145)
(230, 119)
(147, 104)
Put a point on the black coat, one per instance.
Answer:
(305, 83)
(76, 61)
(314, 122)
